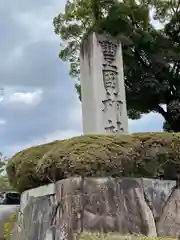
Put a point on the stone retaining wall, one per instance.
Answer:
(125, 205)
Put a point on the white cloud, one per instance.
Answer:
(58, 135)
(42, 19)
(14, 58)
(151, 122)
(42, 29)
(1, 94)
(28, 98)
(75, 114)
(2, 121)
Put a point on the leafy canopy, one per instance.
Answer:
(4, 181)
(151, 56)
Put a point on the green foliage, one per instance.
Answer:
(4, 184)
(4, 181)
(2, 162)
(165, 9)
(166, 127)
(152, 155)
(151, 56)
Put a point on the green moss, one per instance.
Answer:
(154, 155)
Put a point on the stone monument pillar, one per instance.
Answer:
(102, 86)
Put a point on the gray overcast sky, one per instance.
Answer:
(40, 103)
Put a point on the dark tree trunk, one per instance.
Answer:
(171, 116)
(174, 125)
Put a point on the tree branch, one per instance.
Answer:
(161, 111)
(178, 5)
(172, 7)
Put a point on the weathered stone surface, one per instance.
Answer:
(70, 208)
(102, 85)
(169, 222)
(86, 204)
(156, 193)
(37, 213)
(37, 218)
(124, 205)
(116, 205)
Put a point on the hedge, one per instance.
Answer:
(154, 155)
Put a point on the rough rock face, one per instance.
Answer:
(156, 193)
(169, 223)
(108, 206)
(125, 205)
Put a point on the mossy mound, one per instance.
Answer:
(154, 155)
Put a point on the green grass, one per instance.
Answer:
(116, 236)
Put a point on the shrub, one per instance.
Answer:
(154, 155)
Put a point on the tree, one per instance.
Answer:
(151, 56)
(4, 181)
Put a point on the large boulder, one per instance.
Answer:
(128, 206)
(151, 155)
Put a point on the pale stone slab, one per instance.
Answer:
(102, 86)
(42, 191)
(36, 192)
